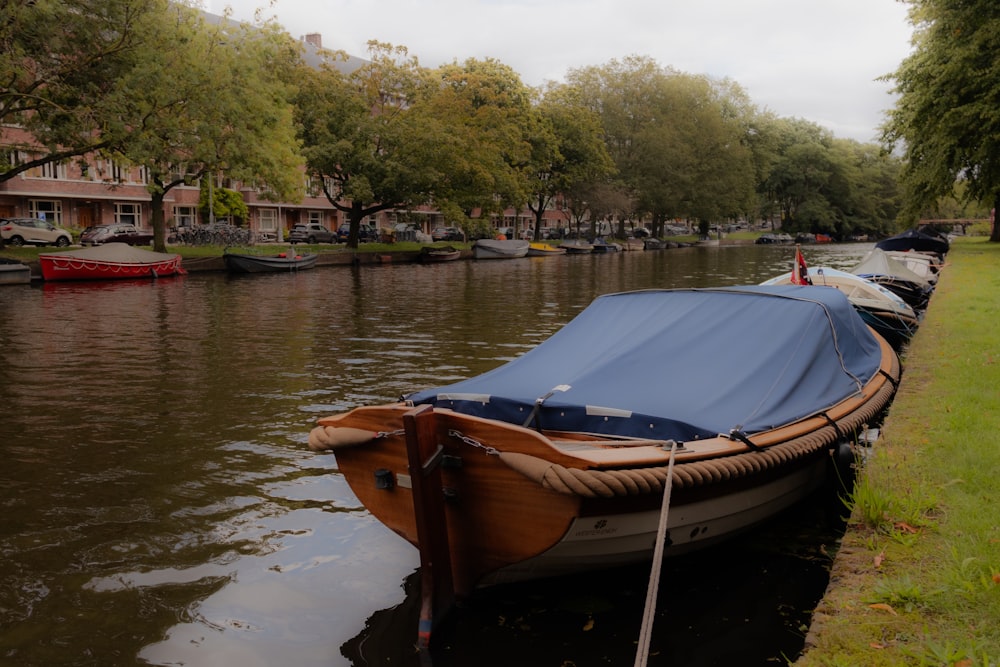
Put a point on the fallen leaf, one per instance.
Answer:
(879, 558)
(876, 645)
(996, 577)
(906, 528)
(966, 662)
(883, 607)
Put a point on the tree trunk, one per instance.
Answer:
(995, 228)
(159, 230)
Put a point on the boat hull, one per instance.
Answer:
(444, 254)
(239, 263)
(521, 503)
(499, 249)
(544, 250)
(111, 261)
(14, 273)
(612, 539)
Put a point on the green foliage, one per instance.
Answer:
(64, 64)
(365, 137)
(871, 505)
(223, 202)
(946, 118)
(151, 83)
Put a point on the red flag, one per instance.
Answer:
(800, 273)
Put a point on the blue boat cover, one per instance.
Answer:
(681, 364)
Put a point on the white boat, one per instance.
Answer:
(878, 267)
(499, 248)
(884, 311)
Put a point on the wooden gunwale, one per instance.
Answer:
(605, 453)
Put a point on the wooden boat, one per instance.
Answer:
(499, 249)
(279, 263)
(879, 268)
(544, 250)
(439, 253)
(13, 272)
(885, 312)
(110, 261)
(560, 460)
(577, 247)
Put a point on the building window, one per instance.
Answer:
(184, 216)
(315, 217)
(46, 209)
(268, 219)
(51, 170)
(128, 213)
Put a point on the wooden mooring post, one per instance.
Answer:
(424, 455)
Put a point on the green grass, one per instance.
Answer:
(917, 580)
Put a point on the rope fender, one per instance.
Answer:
(338, 437)
(638, 481)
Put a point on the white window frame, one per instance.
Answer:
(185, 216)
(268, 220)
(46, 209)
(128, 213)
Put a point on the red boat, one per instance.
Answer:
(114, 261)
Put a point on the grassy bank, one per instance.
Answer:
(917, 579)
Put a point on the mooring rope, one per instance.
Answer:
(649, 612)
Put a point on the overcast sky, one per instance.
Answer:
(812, 59)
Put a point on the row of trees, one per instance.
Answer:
(155, 84)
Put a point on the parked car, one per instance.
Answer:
(312, 232)
(366, 233)
(119, 232)
(32, 231)
(447, 234)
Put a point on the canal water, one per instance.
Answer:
(160, 506)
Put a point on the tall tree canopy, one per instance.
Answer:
(679, 142)
(947, 118)
(364, 141)
(208, 99)
(62, 69)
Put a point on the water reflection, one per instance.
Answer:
(160, 505)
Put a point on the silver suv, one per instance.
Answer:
(32, 231)
(312, 232)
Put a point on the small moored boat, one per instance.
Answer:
(601, 246)
(882, 310)
(13, 272)
(499, 249)
(439, 253)
(559, 461)
(544, 250)
(925, 239)
(278, 263)
(879, 268)
(111, 261)
(577, 247)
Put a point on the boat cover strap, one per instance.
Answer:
(831, 422)
(737, 434)
(892, 380)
